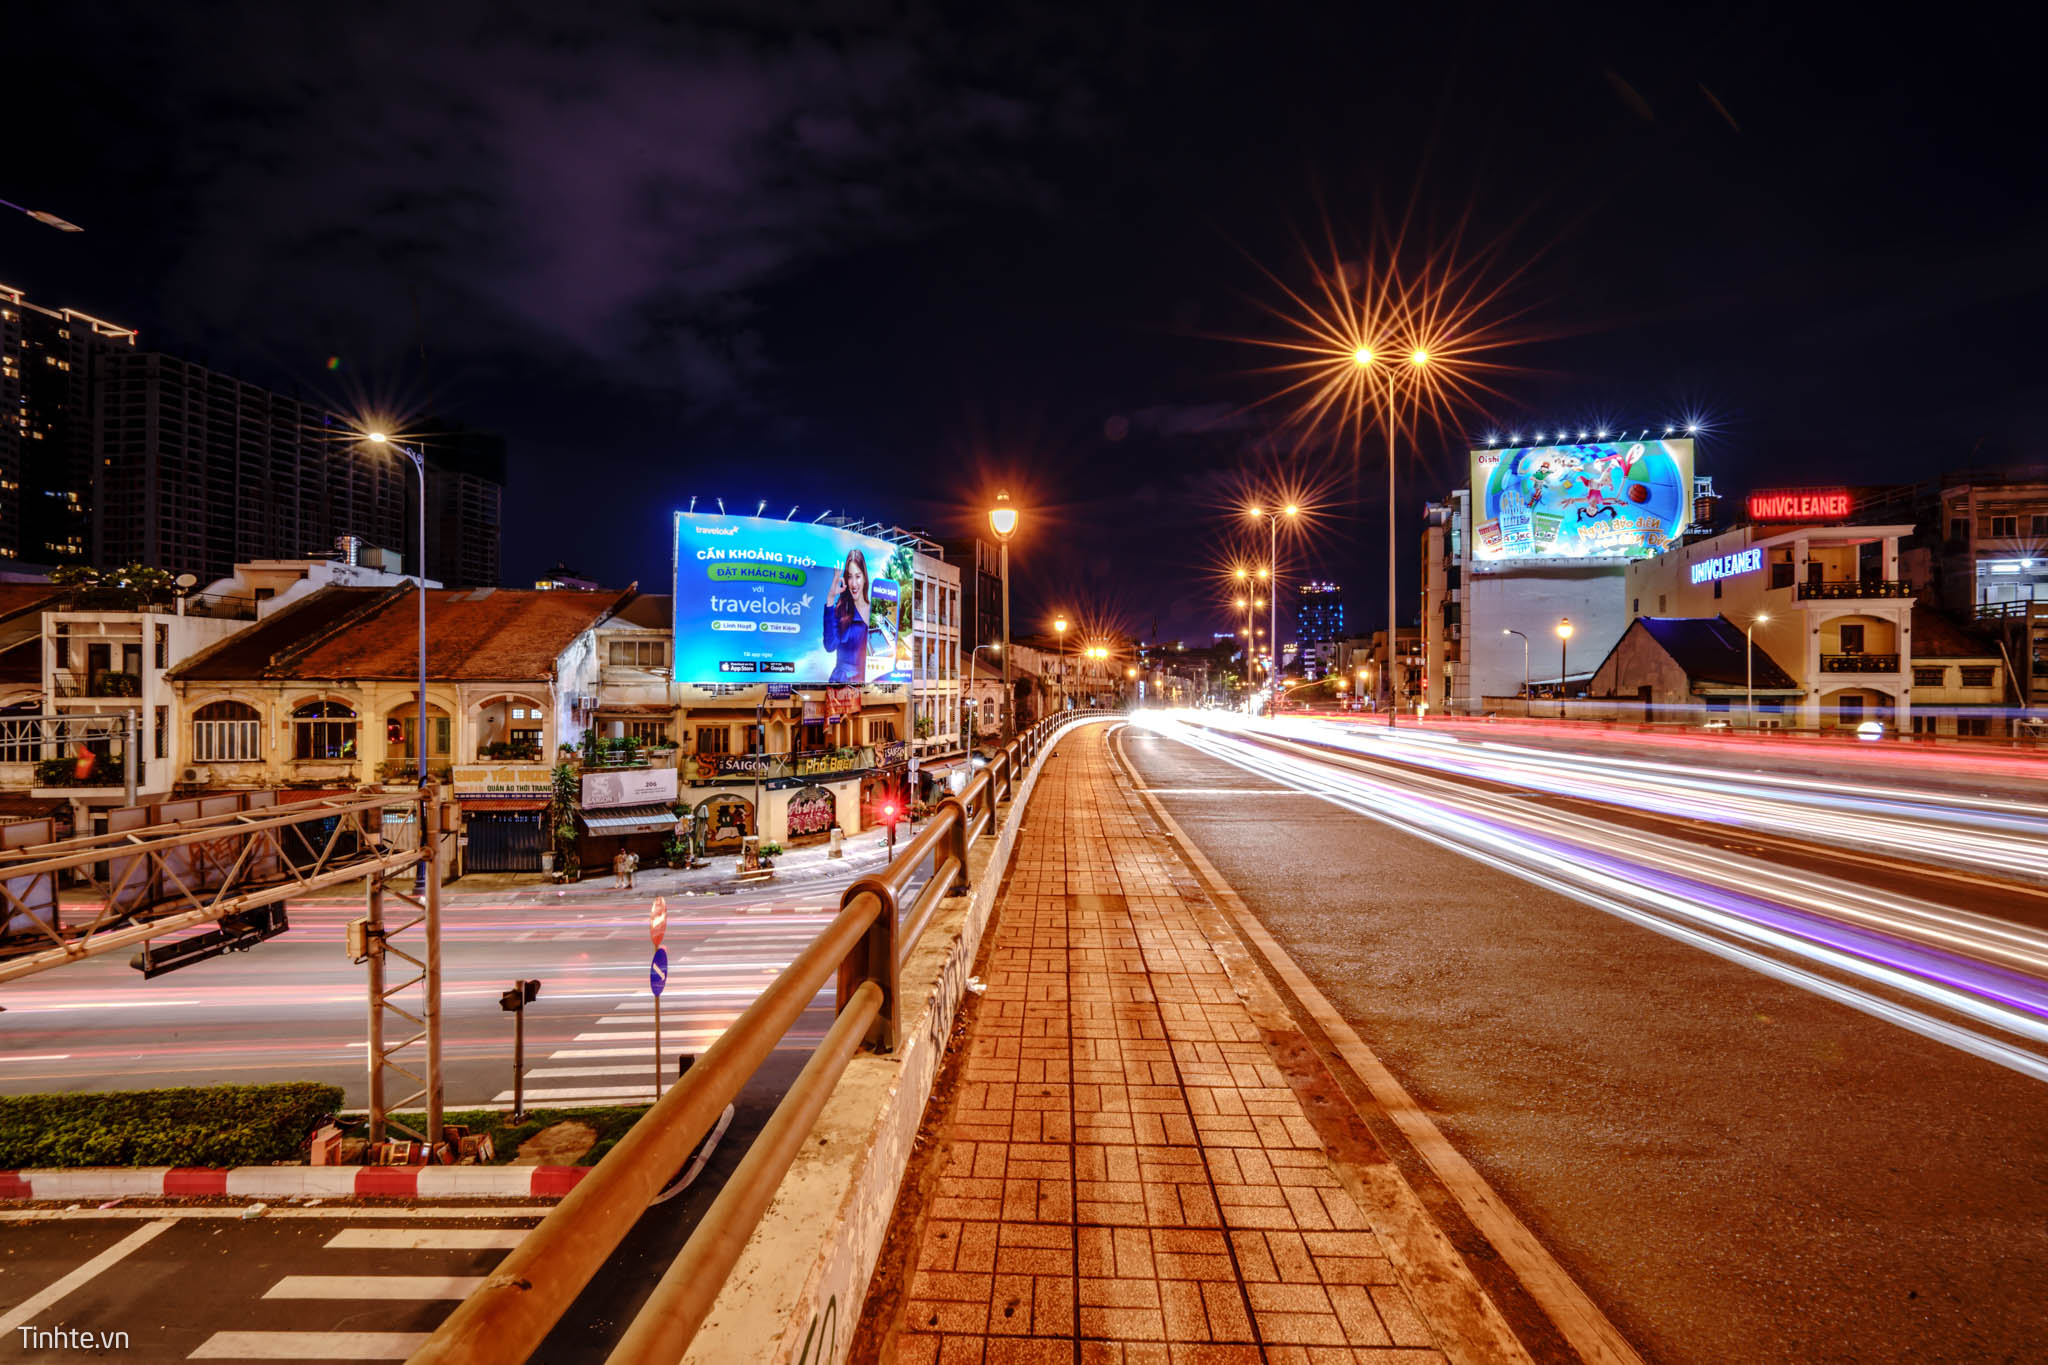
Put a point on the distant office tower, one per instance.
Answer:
(1319, 625)
(50, 361)
(200, 471)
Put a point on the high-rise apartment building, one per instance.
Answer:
(1318, 625)
(50, 361)
(465, 504)
(200, 471)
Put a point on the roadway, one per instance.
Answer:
(1766, 1093)
(294, 1008)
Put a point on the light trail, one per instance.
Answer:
(1797, 927)
(1975, 833)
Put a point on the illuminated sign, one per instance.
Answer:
(1801, 504)
(1594, 500)
(1727, 566)
(789, 604)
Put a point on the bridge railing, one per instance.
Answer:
(862, 951)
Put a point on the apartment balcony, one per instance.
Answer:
(71, 684)
(1852, 589)
(1859, 663)
(56, 777)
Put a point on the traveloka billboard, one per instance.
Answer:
(1593, 500)
(763, 601)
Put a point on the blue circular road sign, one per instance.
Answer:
(657, 971)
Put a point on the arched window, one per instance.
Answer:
(324, 729)
(226, 732)
(399, 729)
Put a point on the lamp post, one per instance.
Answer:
(1271, 516)
(973, 657)
(1564, 637)
(1002, 524)
(1418, 359)
(1059, 629)
(1525, 660)
(1762, 618)
(419, 721)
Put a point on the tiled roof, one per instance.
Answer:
(1937, 635)
(16, 598)
(344, 634)
(1710, 649)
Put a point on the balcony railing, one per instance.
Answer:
(1859, 663)
(1854, 588)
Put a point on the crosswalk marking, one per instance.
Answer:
(554, 1071)
(309, 1346)
(374, 1287)
(429, 1239)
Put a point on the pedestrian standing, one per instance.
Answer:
(619, 870)
(632, 866)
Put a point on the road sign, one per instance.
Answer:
(657, 920)
(657, 971)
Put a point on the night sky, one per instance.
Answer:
(882, 258)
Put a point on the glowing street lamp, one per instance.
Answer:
(1564, 636)
(1272, 516)
(1002, 524)
(1525, 659)
(1059, 626)
(1762, 618)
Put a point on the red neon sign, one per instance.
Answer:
(1801, 504)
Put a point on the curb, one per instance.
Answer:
(285, 1182)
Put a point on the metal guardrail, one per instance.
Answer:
(863, 949)
(1859, 663)
(1850, 589)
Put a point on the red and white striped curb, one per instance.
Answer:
(284, 1182)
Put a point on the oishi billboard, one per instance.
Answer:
(1594, 500)
(758, 600)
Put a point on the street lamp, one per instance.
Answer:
(1002, 524)
(1418, 361)
(419, 732)
(1564, 636)
(1762, 618)
(1525, 660)
(973, 655)
(1059, 628)
(1272, 516)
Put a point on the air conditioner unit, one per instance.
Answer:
(198, 775)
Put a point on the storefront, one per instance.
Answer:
(626, 810)
(504, 816)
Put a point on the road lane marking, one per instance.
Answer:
(429, 1239)
(32, 1307)
(40, 1057)
(559, 1071)
(309, 1346)
(374, 1287)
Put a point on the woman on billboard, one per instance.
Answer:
(846, 621)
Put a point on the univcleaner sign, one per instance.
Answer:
(758, 600)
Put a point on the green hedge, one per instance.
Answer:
(215, 1125)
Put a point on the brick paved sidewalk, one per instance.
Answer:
(1124, 1175)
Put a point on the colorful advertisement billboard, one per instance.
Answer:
(1594, 500)
(764, 601)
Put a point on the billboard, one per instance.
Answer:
(1593, 500)
(1801, 504)
(758, 600)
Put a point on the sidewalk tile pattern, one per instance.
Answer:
(1127, 1178)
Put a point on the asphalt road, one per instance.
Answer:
(1736, 1169)
(294, 1008)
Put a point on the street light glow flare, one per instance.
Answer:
(1362, 356)
(1002, 518)
(375, 437)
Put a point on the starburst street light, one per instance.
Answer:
(1404, 337)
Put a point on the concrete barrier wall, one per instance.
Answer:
(796, 1294)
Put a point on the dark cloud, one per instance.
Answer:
(505, 178)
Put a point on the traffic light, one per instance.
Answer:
(235, 933)
(522, 994)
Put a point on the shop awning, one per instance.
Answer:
(504, 803)
(650, 819)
